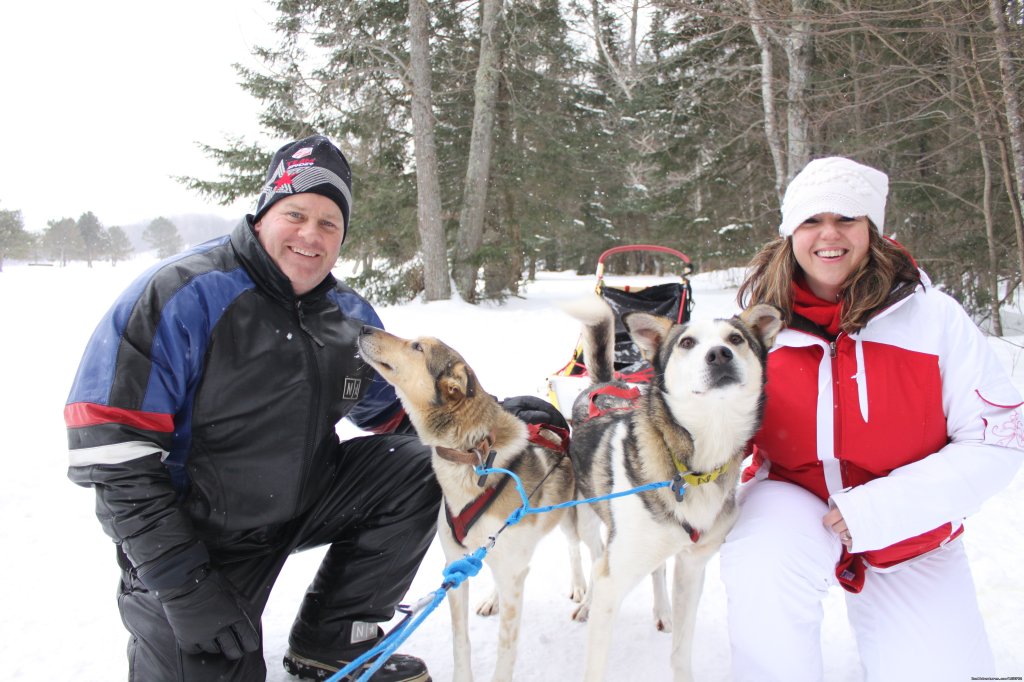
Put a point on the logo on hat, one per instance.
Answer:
(315, 165)
(283, 183)
(294, 166)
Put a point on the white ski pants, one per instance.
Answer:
(920, 622)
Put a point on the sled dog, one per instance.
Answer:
(690, 426)
(465, 425)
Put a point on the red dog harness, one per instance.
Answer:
(461, 523)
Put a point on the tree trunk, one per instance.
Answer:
(1010, 98)
(980, 113)
(634, 22)
(799, 54)
(1018, 219)
(993, 257)
(437, 284)
(481, 143)
(771, 130)
(1001, 135)
(858, 109)
(503, 274)
(615, 70)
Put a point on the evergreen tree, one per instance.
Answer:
(674, 122)
(244, 167)
(162, 235)
(93, 236)
(709, 176)
(119, 247)
(62, 241)
(15, 241)
(548, 136)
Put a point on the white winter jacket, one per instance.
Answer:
(906, 426)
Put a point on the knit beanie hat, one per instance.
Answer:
(835, 185)
(313, 164)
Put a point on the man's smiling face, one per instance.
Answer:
(303, 234)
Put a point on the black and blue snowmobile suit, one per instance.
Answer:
(204, 412)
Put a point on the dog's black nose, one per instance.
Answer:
(719, 355)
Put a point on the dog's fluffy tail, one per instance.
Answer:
(598, 338)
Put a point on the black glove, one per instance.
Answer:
(534, 410)
(207, 615)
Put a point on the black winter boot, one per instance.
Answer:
(399, 668)
(320, 665)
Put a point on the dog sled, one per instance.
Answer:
(672, 299)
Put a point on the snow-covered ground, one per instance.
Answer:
(59, 576)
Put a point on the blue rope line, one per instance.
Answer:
(455, 574)
(518, 514)
(459, 571)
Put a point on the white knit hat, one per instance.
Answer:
(835, 185)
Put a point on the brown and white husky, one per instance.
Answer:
(464, 424)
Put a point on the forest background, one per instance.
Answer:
(495, 138)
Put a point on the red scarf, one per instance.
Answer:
(823, 313)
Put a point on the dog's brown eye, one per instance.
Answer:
(417, 346)
(735, 339)
(687, 343)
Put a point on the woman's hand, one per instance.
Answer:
(834, 522)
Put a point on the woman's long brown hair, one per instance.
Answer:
(887, 267)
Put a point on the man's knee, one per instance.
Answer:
(153, 651)
(409, 460)
(384, 482)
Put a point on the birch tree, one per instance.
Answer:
(799, 43)
(478, 166)
(1011, 101)
(772, 135)
(428, 188)
(792, 151)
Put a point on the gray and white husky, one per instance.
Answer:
(691, 425)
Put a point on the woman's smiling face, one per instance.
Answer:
(829, 247)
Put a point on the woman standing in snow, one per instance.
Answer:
(888, 420)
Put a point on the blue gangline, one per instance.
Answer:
(457, 572)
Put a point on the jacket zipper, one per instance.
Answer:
(311, 424)
(889, 306)
(836, 412)
(303, 327)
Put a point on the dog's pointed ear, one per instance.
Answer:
(647, 331)
(459, 383)
(470, 379)
(765, 321)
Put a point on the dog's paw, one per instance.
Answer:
(581, 613)
(662, 618)
(489, 606)
(578, 593)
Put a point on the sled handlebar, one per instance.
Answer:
(643, 247)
